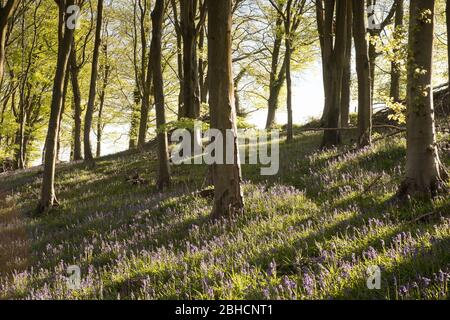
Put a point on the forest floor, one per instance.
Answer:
(311, 232)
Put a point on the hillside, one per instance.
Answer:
(309, 233)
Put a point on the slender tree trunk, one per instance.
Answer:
(98, 150)
(145, 109)
(202, 67)
(363, 73)
(92, 89)
(100, 122)
(325, 15)
(228, 198)
(155, 61)
(134, 128)
(237, 100)
(333, 137)
(191, 90)
(48, 196)
(276, 79)
(105, 82)
(77, 111)
(423, 169)
(6, 12)
(146, 80)
(447, 15)
(179, 59)
(63, 108)
(346, 80)
(287, 27)
(395, 65)
(373, 59)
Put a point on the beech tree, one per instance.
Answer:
(48, 195)
(424, 173)
(395, 65)
(335, 69)
(88, 156)
(190, 31)
(363, 73)
(6, 12)
(228, 197)
(156, 68)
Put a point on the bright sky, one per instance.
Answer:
(308, 99)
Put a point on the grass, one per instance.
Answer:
(311, 232)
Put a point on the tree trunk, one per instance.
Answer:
(346, 80)
(105, 82)
(134, 127)
(191, 90)
(63, 108)
(203, 82)
(92, 89)
(423, 168)
(395, 66)
(48, 196)
(228, 199)
(288, 36)
(179, 59)
(5, 13)
(333, 137)
(325, 15)
(276, 79)
(447, 15)
(363, 73)
(77, 111)
(145, 80)
(155, 61)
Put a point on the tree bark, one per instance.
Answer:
(276, 79)
(146, 80)
(155, 61)
(92, 89)
(228, 199)
(288, 39)
(447, 16)
(77, 111)
(423, 168)
(363, 73)
(346, 80)
(191, 88)
(333, 137)
(48, 196)
(325, 15)
(395, 66)
(5, 14)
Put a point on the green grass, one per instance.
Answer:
(310, 232)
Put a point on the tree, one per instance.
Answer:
(277, 73)
(48, 195)
(424, 172)
(106, 70)
(336, 68)
(190, 32)
(395, 65)
(363, 73)
(145, 75)
(228, 197)
(156, 67)
(346, 78)
(5, 14)
(75, 68)
(93, 86)
(447, 16)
